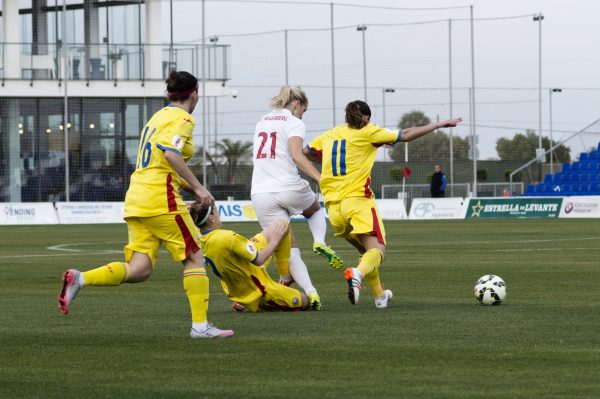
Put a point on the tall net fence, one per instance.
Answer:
(412, 66)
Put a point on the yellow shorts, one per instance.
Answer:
(275, 296)
(178, 232)
(356, 216)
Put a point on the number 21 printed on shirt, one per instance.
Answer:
(265, 137)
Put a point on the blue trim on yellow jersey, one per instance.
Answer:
(212, 265)
(343, 158)
(162, 147)
(334, 151)
(399, 136)
(204, 232)
(312, 151)
(254, 260)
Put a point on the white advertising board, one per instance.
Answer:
(236, 211)
(391, 209)
(580, 207)
(28, 213)
(89, 212)
(437, 208)
(243, 211)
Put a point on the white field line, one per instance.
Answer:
(78, 252)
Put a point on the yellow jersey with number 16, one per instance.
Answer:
(348, 156)
(154, 185)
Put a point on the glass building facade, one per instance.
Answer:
(81, 144)
(103, 135)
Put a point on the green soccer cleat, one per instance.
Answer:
(334, 259)
(315, 301)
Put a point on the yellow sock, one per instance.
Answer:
(369, 268)
(195, 283)
(114, 273)
(282, 255)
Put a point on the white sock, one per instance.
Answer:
(200, 326)
(299, 272)
(318, 226)
(81, 279)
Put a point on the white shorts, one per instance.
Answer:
(270, 207)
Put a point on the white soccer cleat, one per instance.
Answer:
(210, 332)
(69, 289)
(353, 277)
(382, 301)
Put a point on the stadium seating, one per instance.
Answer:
(581, 177)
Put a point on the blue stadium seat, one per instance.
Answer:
(547, 188)
(583, 156)
(595, 188)
(594, 155)
(585, 177)
(575, 167)
(573, 177)
(585, 189)
(566, 167)
(548, 178)
(530, 192)
(558, 189)
(584, 165)
(558, 177)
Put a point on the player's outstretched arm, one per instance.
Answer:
(298, 156)
(274, 234)
(413, 133)
(203, 196)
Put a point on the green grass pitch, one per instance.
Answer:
(434, 341)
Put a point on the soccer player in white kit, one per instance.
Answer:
(278, 191)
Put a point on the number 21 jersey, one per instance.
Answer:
(274, 169)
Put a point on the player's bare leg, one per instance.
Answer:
(318, 227)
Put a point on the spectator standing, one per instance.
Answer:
(438, 182)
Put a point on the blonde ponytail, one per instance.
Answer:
(288, 94)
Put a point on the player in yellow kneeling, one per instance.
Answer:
(241, 263)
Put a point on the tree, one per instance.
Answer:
(482, 174)
(232, 154)
(433, 147)
(413, 119)
(228, 155)
(522, 148)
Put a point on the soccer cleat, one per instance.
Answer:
(69, 289)
(382, 301)
(210, 332)
(238, 307)
(314, 300)
(334, 259)
(353, 278)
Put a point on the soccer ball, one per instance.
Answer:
(490, 290)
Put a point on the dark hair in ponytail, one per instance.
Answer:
(355, 111)
(180, 85)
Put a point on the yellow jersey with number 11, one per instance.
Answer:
(348, 156)
(154, 185)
